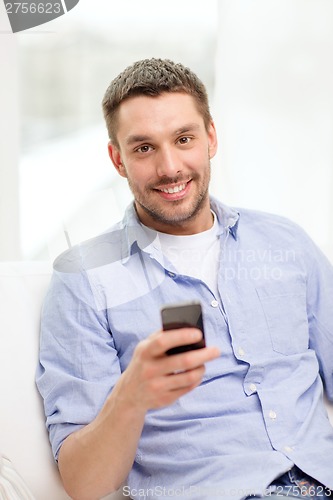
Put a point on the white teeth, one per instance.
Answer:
(176, 189)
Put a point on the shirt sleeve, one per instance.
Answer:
(78, 360)
(320, 313)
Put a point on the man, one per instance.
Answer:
(244, 415)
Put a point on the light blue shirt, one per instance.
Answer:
(259, 409)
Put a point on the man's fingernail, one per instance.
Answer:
(196, 335)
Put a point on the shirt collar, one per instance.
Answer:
(135, 237)
(228, 217)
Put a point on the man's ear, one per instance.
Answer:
(212, 140)
(115, 157)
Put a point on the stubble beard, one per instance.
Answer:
(175, 216)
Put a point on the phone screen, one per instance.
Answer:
(185, 314)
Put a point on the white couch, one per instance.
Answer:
(23, 436)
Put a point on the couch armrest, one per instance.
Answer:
(24, 438)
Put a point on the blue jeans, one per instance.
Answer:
(296, 484)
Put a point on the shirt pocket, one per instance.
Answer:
(284, 307)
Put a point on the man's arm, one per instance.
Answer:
(96, 460)
(320, 314)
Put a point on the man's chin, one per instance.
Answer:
(170, 218)
(173, 214)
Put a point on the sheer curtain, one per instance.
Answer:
(273, 108)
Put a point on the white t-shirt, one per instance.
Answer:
(195, 255)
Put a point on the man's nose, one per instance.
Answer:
(168, 163)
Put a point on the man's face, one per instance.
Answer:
(164, 151)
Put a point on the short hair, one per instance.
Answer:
(152, 77)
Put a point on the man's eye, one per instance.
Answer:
(184, 140)
(144, 149)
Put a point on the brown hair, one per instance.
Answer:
(152, 77)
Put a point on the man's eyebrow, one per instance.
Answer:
(189, 127)
(132, 139)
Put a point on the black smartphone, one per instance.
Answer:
(183, 314)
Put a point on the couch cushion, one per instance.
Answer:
(23, 434)
(23, 437)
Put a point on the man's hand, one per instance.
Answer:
(154, 379)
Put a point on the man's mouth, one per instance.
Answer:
(175, 189)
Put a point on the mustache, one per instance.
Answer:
(171, 180)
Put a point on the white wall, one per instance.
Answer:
(274, 110)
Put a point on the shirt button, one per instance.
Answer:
(172, 275)
(253, 387)
(241, 351)
(288, 449)
(214, 303)
(272, 415)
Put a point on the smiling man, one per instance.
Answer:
(241, 417)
